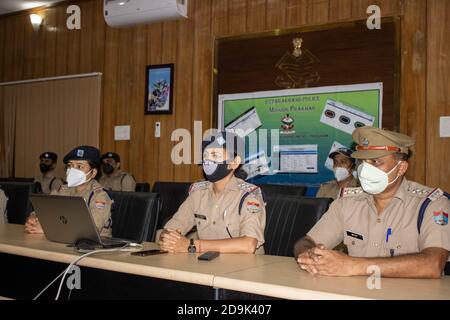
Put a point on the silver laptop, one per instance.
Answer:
(68, 220)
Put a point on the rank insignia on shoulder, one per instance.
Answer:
(352, 191)
(440, 217)
(248, 187)
(198, 186)
(435, 194)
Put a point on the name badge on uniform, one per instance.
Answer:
(200, 216)
(355, 235)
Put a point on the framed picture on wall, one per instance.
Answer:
(159, 89)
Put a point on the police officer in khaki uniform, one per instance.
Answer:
(114, 178)
(399, 226)
(82, 168)
(229, 213)
(48, 179)
(343, 169)
(3, 202)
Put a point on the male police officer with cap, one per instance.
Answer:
(114, 178)
(3, 202)
(82, 167)
(343, 168)
(379, 222)
(48, 180)
(229, 213)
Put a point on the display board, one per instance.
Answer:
(290, 133)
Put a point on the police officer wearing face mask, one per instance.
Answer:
(229, 213)
(399, 226)
(82, 169)
(113, 178)
(344, 169)
(48, 179)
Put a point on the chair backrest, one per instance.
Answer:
(134, 215)
(274, 189)
(142, 187)
(19, 205)
(288, 219)
(172, 195)
(11, 179)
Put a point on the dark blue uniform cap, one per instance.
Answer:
(87, 153)
(49, 155)
(110, 155)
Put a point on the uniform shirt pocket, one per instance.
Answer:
(356, 244)
(397, 246)
(201, 221)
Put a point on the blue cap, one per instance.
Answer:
(49, 155)
(110, 155)
(87, 153)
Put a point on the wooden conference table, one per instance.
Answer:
(30, 262)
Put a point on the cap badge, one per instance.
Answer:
(80, 153)
(365, 142)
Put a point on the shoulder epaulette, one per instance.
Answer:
(199, 186)
(348, 192)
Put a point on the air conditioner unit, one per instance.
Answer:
(122, 13)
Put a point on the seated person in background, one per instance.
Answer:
(48, 180)
(3, 202)
(379, 222)
(343, 168)
(82, 168)
(114, 178)
(229, 213)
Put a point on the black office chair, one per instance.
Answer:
(288, 219)
(172, 195)
(285, 189)
(134, 215)
(11, 179)
(19, 205)
(142, 187)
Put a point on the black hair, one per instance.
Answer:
(240, 173)
(94, 165)
(403, 156)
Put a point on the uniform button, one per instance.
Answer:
(379, 220)
(399, 246)
(216, 206)
(199, 223)
(353, 243)
(375, 244)
(214, 222)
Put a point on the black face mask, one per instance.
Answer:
(215, 171)
(107, 168)
(44, 167)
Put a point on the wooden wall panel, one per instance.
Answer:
(121, 55)
(438, 93)
(151, 144)
(413, 83)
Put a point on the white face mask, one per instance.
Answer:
(76, 177)
(341, 173)
(374, 180)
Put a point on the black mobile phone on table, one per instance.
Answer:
(145, 253)
(208, 256)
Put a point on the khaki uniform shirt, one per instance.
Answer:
(118, 181)
(332, 190)
(49, 182)
(3, 202)
(354, 219)
(98, 201)
(217, 216)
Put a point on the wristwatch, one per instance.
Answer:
(192, 248)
